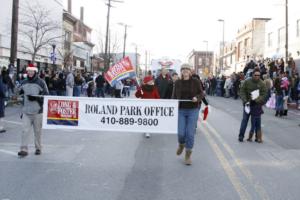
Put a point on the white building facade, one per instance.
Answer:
(42, 59)
(276, 36)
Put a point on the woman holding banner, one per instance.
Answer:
(190, 93)
(147, 91)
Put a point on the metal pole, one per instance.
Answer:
(14, 36)
(146, 67)
(125, 36)
(286, 32)
(53, 48)
(136, 61)
(222, 56)
(223, 46)
(106, 62)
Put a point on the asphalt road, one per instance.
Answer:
(127, 166)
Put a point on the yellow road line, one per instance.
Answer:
(258, 188)
(238, 186)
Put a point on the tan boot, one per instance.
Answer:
(188, 160)
(250, 137)
(180, 149)
(259, 137)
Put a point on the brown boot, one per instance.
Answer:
(250, 137)
(188, 160)
(180, 149)
(258, 138)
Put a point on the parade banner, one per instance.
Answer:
(119, 71)
(111, 114)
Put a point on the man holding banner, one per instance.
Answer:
(33, 89)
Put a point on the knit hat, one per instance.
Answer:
(186, 66)
(31, 67)
(147, 79)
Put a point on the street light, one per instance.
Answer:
(223, 44)
(53, 56)
(125, 36)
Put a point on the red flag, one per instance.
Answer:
(121, 70)
(205, 113)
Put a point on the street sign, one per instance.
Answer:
(53, 57)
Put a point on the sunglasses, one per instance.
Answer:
(256, 74)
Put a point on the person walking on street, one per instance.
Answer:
(100, 83)
(163, 82)
(118, 89)
(279, 91)
(78, 82)
(253, 94)
(34, 88)
(189, 91)
(147, 91)
(70, 84)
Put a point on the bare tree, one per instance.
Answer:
(114, 44)
(39, 29)
(66, 56)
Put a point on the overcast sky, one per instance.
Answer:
(173, 28)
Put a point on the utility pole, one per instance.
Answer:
(286, 32)
(125, 36)
(14, 36)
(223, 45)
(146, 65)
(106, 58)
(136, 60)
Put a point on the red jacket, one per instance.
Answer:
(147, 92)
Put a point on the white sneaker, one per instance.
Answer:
(147, 135)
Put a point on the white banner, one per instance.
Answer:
(111, 114)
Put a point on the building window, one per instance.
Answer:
(67, 36)
(281, 36)
(239, 50)
(298, 28)
(270, 39)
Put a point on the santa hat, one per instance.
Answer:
(31, 67)
(147, 79)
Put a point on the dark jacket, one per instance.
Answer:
(186, 90)
(100, 81)
(163, 85)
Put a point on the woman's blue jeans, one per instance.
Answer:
(255, 124)
(187, 121)
(279, 103)
(76, 91)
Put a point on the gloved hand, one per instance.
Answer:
(247, 103)
(32, 98)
